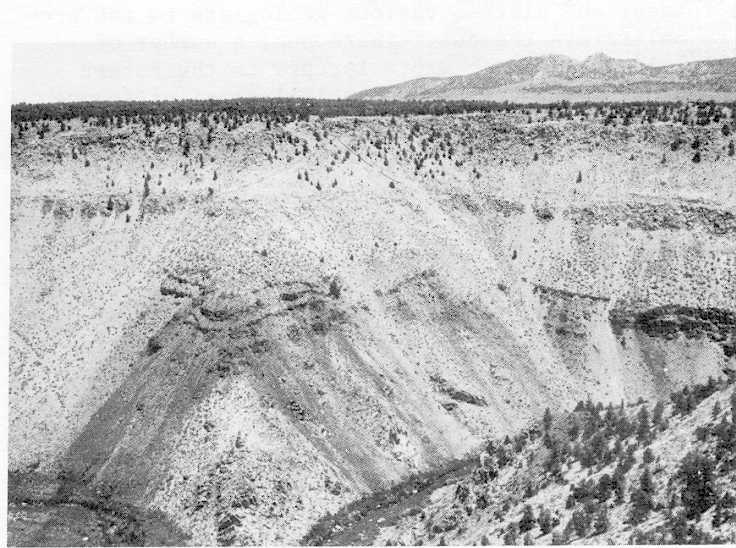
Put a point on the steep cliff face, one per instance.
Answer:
(247, 352)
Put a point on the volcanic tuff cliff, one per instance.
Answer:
(556, 77)
(275, 329)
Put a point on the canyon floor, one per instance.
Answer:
(221, 335)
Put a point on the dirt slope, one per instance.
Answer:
(476, 510)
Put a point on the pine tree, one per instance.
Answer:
(604, 488)
(619, 485)
(658, 413)
(641, 505)
(642, 431)
(698, 492)
(600, 523)
(581, 520)
(547, 419)
(645, 482)
(512, 534)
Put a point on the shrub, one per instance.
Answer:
(335, 289)
(153, 345)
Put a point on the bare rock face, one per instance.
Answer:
(249, 352)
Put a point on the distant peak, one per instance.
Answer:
(599, 56)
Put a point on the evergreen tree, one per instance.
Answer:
(658, 413)
(642, 431)
(527, 519)
(512, 534)
(560, 537)
(544, 520)
(581, 520)
(547, 419)
(600, 523)
(604, 488)
(698, 492)
(641, 505)
(716, 410)
(645, 482)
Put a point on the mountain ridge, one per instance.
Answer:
(556, 76)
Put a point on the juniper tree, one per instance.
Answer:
(642, 432)
(544, 520)
(581, 520)
(600, 523)
(547, 419)
(526, 523)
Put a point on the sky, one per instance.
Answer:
(82, 50)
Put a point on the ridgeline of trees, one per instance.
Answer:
(288, 109)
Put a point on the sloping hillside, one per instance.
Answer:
(643, 473)
(248, 327)
(557, 77)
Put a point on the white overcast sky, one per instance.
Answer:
(77, 50)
